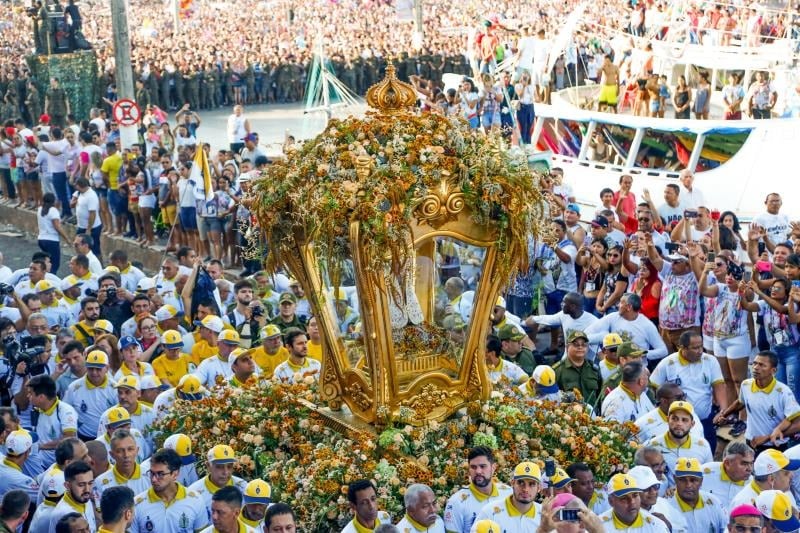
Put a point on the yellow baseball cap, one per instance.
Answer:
(681, 406)
(257, 491)
(165, 312)
(340, 295)
(97, 359)
(488, 526)
(70, 281)
(622, 484)
(151, 382)
(104, 325)
(229, 336)
(688, 467)
(43, 286)
(117, 417)
(528, 470)
(776, 505)
(560, 479)
(172, 339)
(544, 375)
(190, 388)
(501, 302)
(221, 454)
(212, 322)
(182, 445)
(129, 382)
(270, 331)
(111, 268)
(612, 340)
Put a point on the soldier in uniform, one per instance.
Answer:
(142, 95)
(165, 89)
(192, 84)
(282, 80)
(249, 84)
(33, 103)
(180, 96)
(437, 68)
(203, 100)
(152, 87)
(56, 104)
(627, 352)
(227, 86)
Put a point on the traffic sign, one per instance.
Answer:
(126, 112)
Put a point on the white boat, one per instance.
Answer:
(737, 162)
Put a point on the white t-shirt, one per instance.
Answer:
(185, 193)
(526, 50)
(87, 202)
(47, 232)
(57, 163)
(691, 199)
(670, 214)
(776, 226)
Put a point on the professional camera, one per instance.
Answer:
(91, 292)
(257, 311)
(25, 350)
(111, 294)
(6, 289)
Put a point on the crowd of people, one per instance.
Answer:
(665, 314)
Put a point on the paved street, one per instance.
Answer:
(271, 122)
(17, 249)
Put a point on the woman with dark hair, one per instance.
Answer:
(526, 94)
(729, 220)
(50, 230)
(592, 259)
(781, 331)
(469, 99)
(615, 282)
(648, 287)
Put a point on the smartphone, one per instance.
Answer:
(748, 275)
(761, 248)
(711, 257)
(549, 467)
(671, 247)
(796, 284)
(567, 515)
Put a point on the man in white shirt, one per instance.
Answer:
(571, 318)
(519, 511)
(631, 325)
(363, 498)
(671, 211)
(629, 400)
(775, 224)
(626, 513)
(78, 496)
(56, 151)
(87, 210)
(691, 197)
(463, 506)
(727, 478)
(82, 243)
(421, 511)
(700, 509)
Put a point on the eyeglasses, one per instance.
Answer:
(159, 475)
(612, 255)
(644, 220)
(580, 344)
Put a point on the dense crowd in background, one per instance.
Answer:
(662, 311)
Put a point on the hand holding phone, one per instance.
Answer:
(748, 275)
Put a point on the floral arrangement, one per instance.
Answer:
(280, 438)
(378, 170)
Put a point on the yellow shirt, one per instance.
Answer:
(268, 363)
(172, 371)
(202, 351)
(111, 166)
(314, 350)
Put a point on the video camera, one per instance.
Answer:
(25, 350)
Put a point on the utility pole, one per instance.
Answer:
(124, 69)
(418, 29)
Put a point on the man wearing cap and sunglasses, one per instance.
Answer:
(519, 511)
(626, 513)
(92, 394)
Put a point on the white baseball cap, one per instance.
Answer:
(18, 442)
